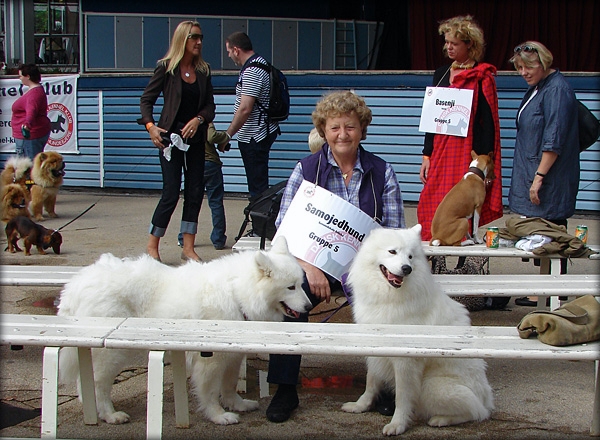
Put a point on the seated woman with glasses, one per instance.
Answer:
(545, 174)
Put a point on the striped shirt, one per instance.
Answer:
(393, 208)
(254, 81)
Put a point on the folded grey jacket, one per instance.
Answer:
(562, 243)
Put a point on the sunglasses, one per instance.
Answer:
(195, 37)
(525, 48)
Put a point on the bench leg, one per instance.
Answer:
(595, 429)
(88, 390)
(182, 413)
(154, 404)
(241, 385)
(49, 392)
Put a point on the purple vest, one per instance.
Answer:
(373, 182)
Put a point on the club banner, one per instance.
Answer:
(62, 112)
(446, 110)
(323, 229)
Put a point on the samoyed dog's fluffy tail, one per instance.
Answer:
(391, 283)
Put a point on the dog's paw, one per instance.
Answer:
(440, 421)
(435, 242)
(394, 428)
(117, 418)
(246, 405)
(227, 418)
(53, 214)
(467, 242)
(354, 407)
(478, 240)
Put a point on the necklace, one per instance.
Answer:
(466, 65)
(345, 175)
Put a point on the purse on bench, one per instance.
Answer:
(575, 322)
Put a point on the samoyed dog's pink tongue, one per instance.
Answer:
(393, 279)
(291, 313)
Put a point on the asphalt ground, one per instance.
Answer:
(534, 399)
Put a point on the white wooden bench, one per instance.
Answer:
(178, 336)
(52, 333)
(330, 339)
(550, 264)
(453, 285)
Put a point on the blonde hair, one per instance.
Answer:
(465, 28)
(532, 53)
(315, 141)
(341, 103)
(177, 49)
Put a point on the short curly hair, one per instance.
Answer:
(340, 103)
(465, 28)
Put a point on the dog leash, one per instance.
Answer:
(80, 215)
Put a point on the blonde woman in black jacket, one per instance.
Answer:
(183, 78)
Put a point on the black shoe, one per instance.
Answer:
(385, 403)
(283, 403)
(529, 303)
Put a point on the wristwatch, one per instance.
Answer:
(200, 119)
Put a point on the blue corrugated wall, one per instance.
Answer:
(115, 151)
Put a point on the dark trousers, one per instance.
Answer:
(285, 368)
(192, 164)
(255, 156)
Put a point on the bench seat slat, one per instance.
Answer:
(453, 285)
(56, 331)
(339, 339)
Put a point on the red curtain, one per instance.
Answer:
(569, 28)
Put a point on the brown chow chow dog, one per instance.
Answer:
(47, 175)
(32, 235)
(14, 201)
(16, 170)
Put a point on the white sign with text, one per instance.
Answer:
(324, 229)
(446, 110)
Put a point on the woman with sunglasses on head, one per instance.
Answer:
(183, 78)
(545, 174)
(446, 158)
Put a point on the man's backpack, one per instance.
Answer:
(279, 96)
(262, 211)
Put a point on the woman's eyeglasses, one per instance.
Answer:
(195, 37)
(525, 48)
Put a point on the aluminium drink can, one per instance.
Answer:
(581, 232)
(492, 238)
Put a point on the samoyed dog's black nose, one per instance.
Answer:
(406, 269)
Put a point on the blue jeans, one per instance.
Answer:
(213, 184)
(255, 156)
(30, 147)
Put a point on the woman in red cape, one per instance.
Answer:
(446, 158)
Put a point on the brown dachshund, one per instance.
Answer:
(32, 234)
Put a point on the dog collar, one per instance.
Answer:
(477, 172)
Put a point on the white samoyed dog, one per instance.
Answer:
(391, 283)
(250, 285)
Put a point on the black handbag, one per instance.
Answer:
(589, 127)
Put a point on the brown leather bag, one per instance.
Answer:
(575, 322)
